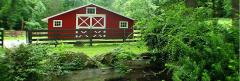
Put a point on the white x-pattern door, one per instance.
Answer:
(86, 21)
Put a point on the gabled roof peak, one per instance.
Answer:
(46, 19)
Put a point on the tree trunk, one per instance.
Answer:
(213, 8)
(235, 13)
(220, 8)
(22, 24)
(191, 3)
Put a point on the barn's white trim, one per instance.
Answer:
(98, 21)
(123, 22)
(90, 25)
(95, 10)
(56, 22)
(46, 19)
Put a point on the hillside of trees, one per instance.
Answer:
(27, 14)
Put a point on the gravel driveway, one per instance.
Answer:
(13, 43)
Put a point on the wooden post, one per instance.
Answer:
(124, 36)
(30, 36)
(56, 36)
(91, 41)
(235, 13)
(2, 37)
(27, 40)
(56, 43)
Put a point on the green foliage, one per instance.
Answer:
(69, 61)
(121, 58)
(2, 52)
(117, 58)
(16, 12)
(227, 8)
(33, 25)
(122, 55)
(191, 46)
(25, 63)
(37, 63)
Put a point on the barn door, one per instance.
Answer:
(97, 23)
(85, 21)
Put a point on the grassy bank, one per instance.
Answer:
(97, 49)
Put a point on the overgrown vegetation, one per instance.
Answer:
(183, 40)
(36, 63)
(25, 63)
(69, 61)
(43, 62)
(117, 59)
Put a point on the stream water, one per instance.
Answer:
(141, 72)
(89, 75)
(108, 75)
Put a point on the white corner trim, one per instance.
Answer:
(123, 22)
(57, 21)
(46, 19)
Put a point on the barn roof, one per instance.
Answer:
(46, 19)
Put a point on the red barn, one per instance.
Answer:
(102, 22)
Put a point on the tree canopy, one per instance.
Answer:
(27, 14)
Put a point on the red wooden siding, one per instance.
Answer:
(112, 21)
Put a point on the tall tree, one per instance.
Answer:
(235, 13)
(37, 14)
(140, 10)
(218, 8)
(53, 7)
(68, 4)
(191, 3)
(15, 13)
(118, 5)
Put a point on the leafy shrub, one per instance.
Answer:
(68, 61)
(2, 52)
(33, 25)
(37, 63)
(25, 63)
(192, 46)
(117, 55)
(123, 55)
(117, 59)
(3, 66)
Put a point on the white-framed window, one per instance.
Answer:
(123, 24)
(91, 10)
(57, 23)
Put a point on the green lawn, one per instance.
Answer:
(10, 36)
(15, 38)
(102, 48)
(97, 49)
(91, 51)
